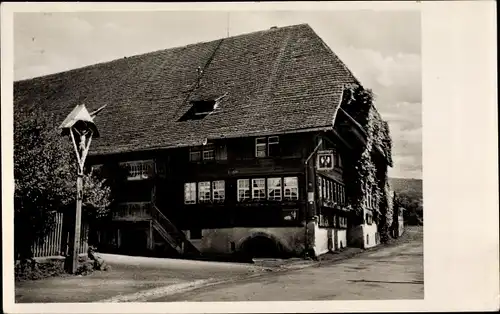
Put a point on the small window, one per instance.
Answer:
(274, 189)
(261, 147)
(367, 239)
(320, 187)
(190, 193)
(199, 110)
(208, 154)
(194, 155)
(204, 191)
(369, 219)
(218, 190)
(243, 189)
(273, 146)
(267, 146)
(259, 189)
(324, 188)
(291, 188)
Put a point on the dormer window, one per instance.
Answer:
(199, 110)
(203, 107)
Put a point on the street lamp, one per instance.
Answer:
(79, 124)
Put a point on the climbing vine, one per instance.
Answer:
(366, 174)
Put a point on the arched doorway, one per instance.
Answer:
(262, 246)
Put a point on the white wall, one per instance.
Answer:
(341, 237)
(357, 236)
(369, 231)
(219, 240)
(321, 240)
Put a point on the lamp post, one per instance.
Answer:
(79, 124)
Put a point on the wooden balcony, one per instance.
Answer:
(133, 211)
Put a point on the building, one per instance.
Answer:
(218, 147)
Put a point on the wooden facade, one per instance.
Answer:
(228, 183)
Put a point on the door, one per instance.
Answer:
(134, 239)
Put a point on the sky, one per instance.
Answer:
(382, 49)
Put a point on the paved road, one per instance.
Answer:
(389, 273)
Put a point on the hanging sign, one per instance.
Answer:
(325, 160)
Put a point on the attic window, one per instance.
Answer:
(199, 110)
(203, 107)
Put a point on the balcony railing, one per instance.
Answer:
(139, 169)
(133, 211)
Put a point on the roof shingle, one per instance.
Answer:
(278, 80)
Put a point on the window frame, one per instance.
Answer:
(266, 142)
(257, 145)
(292, 188)
(214, 190)
(270, 189)
(204, 183)
(262, 189)
(247, 188)
(190, 201)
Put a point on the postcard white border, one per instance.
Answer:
(460, 160)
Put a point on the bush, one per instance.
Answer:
(31, 269)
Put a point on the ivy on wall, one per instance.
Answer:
(366, 174)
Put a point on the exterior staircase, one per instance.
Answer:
(174, 237)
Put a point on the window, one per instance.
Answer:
(273, 145)
(194, 155)
(138, 170)
(208, 154)
(218, 193)
(261, 147)
(259, 189)
(202, 153)
(199, 109)
(320, 187)
(290, 214)
(369, 219)
(267, 146)
(190, 193)
(204, 191)
(274, 189)
(291, 188)
(324, 187)
(342, 222)
(243, 189)
(330, 191)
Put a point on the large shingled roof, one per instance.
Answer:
(274, 81)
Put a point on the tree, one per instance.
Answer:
(413, 208)
(45, 179)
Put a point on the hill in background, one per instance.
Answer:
(409, 195)
(411, 187)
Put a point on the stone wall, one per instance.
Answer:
(230, 240)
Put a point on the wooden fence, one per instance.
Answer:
(54, 242)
